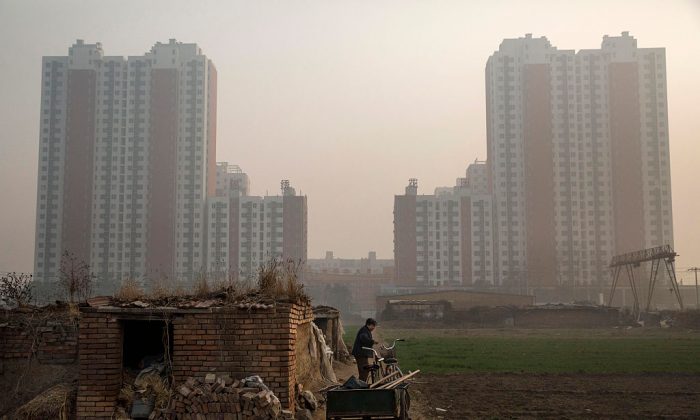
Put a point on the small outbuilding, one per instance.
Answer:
(193, 339)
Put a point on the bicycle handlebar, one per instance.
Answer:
(393, 345)
(376, 355)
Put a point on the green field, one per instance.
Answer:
(544, 351)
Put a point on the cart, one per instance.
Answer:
(368, 403)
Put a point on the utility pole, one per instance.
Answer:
(697, 294)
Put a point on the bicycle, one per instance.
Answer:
(384, 367)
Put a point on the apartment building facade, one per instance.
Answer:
(578, 158)
(445, 239)
(577, 171)
(126, 161)
(245, 232)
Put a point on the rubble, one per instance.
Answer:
(99, 301)
(309, 400)
(227, 398)
(303, 414)
(250, 301)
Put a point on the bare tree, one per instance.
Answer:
(75, 277)
(16, 287)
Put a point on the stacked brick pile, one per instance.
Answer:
(221, 398)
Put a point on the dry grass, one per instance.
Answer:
(160, 288)
(151, 386)
(126, 396)
(268, 277)
(74, 310)
(55, 403)
(275, 279)
(201, 286)
(179, 291)
(157, 388)
(290, 288)
(130, 290)
(280, 280)
(233, 289)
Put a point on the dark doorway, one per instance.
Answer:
(145, 342)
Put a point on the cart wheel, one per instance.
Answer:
(405, 405)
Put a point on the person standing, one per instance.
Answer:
(364, 339)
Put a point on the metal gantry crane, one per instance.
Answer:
(631, 260)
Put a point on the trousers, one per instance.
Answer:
(362, 362)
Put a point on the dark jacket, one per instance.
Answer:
(363, 339)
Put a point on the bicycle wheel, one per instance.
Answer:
(393, 368)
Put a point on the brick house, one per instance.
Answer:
(238, 339)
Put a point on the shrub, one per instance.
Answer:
(75, 277)
(17, 288)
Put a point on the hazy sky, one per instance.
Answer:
(347, 99)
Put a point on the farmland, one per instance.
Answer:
(550, 373)
(544, 351)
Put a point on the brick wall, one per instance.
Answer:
(100, 359)
(241, 342)
(51, 337)
(228, 340)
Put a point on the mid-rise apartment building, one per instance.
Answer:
(126, 161)
(245, 232)
(445, 238)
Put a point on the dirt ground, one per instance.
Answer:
(571, 396)
(556, 396)
(32, 378)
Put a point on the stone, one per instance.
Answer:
(303, 414)
(210, 378)
(184, 391)
(309, 399)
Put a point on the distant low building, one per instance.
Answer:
(353, 294)
(331, 264)
(434, 302)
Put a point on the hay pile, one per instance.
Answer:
(55, 403)
(150, 386)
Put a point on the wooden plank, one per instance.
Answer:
(385, 379)
(398, 381)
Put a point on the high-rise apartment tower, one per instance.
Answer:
(578, 157)
(126, 161)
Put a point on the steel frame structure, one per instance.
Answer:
(631, 260)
